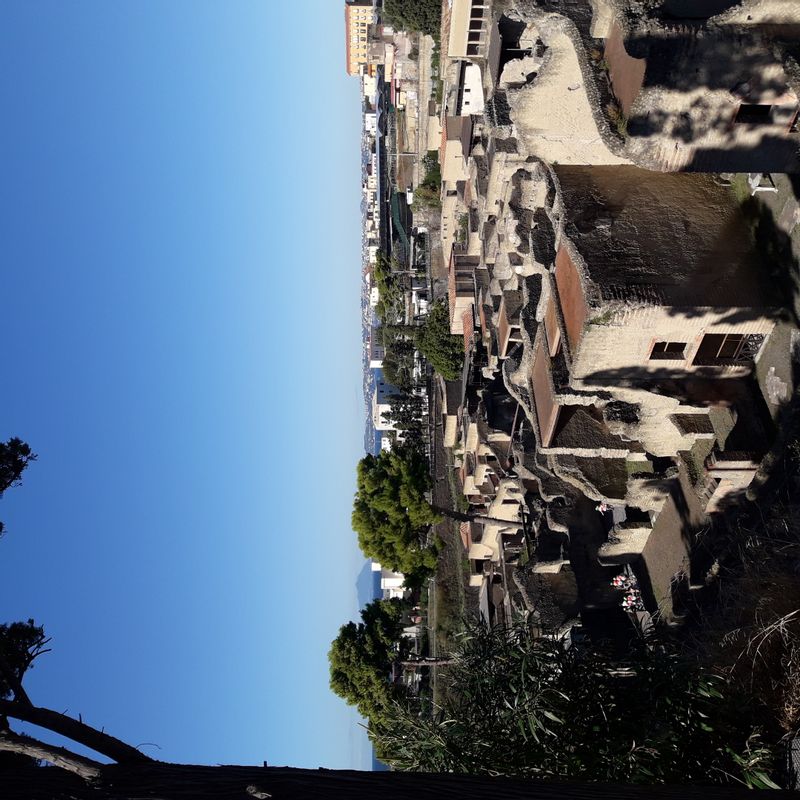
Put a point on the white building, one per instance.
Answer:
(376, 350)
(391, 582)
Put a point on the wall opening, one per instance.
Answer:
(754, 114)
(666, 351)
(728, 349)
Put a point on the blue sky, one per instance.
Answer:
(180, 231)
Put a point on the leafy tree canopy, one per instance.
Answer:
(15, 455)
(406, 414)
(390, 513)
(361, 656)
(444, 351)
(20, 644)
(398, 358)
(424, 16)
(391, 290)
(428, 193)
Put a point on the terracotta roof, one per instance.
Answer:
(453, 396)
(466, 534)
(469, 329)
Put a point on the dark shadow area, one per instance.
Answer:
(696, 9)
(775, 246)
(510, 31)
(773, 154)
(588, 531)
(627, 222)
(684, 61)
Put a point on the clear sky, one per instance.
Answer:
(181, 234)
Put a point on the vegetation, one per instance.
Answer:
(398, 357)
(617, 118)
(531, 707)
(462, 231)
(524, 706)
(15, 455)
(428, 193)
(749, 629)
(20, 644)
(423, 16)
(406, 413)
(361, 657)
(391, 303)
(444, 352)
(438, 83)
(390, 512)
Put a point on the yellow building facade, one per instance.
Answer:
(357, 19)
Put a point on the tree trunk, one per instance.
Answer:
(59, 757)
(74, 729)
(427, 661)
(159, 781)
(467, 517)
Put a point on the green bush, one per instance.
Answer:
(444, 352)
(516, 705)
(423, 16)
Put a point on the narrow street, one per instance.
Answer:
(423, 98)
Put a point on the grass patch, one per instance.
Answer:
(460, 502)
(602, 319)
(740, 189)
(695, 460)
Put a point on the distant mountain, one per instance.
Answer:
(378, 766)
(368, 585)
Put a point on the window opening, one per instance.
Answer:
(665, 351)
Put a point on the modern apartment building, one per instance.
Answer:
(357, 19)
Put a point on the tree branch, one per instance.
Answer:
(76, 730)
(58, 756)
(480, 518)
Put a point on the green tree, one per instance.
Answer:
(527, 707)
(444, 352)
(390, 513)
(500, 667)
(398, 358)
(428, 193)
(424, 16)
(406, 413)
(361, 658)
(426, 197)
(390, 309)
(508, 711)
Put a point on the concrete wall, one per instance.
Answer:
(451, 208)
(553, 117)
(378, 410)
(544, 400)
(453, 163)
(458, 41)
(472, 92)
(623, 339)
(571, 297)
